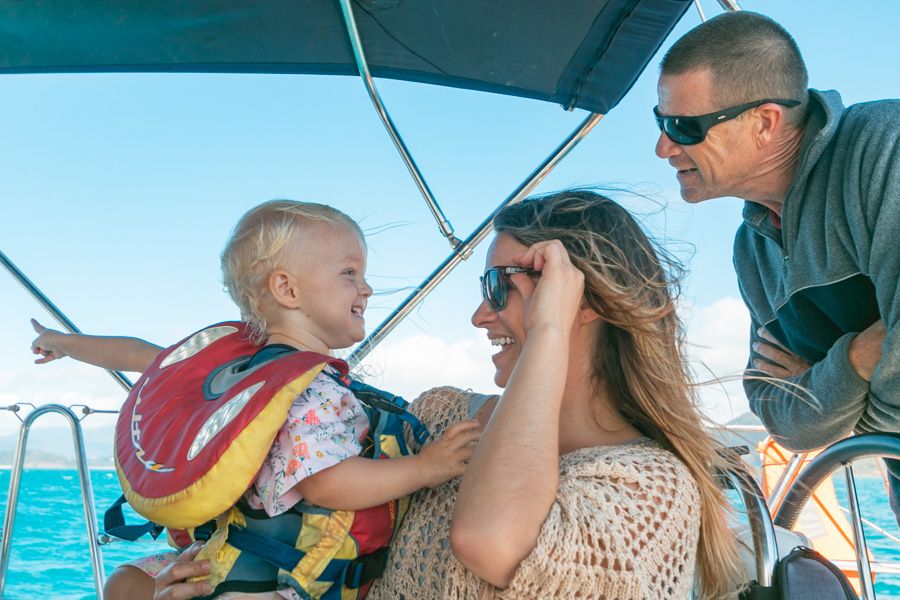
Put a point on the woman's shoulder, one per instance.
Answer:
(442, 406)
(642, 465)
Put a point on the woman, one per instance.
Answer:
(593, 477)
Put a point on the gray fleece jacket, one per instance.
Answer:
(831, 270)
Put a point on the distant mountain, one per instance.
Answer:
(53, 447)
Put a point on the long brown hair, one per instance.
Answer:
(638, 360)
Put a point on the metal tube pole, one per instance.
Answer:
(87, 493)
(699, 8)
(465, 249)
(57, 314)
(863, 567)
(363, 66)
(765, 546)
(731, 5)
(787, 476)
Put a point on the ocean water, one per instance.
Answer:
(50, 556)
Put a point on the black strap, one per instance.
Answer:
(366, 568)
(114, 524)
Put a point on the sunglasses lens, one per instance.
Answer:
(493, 289)
(684, 130)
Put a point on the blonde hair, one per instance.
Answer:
(637, 360)
(258, 245)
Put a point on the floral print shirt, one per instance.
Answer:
(325, 425)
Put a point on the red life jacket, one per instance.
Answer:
(192, 435)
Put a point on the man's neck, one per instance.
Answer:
(774, 176)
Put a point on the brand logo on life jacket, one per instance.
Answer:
(149, 463)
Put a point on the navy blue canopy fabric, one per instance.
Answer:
(576, 53)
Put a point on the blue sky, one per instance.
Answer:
(118, 192)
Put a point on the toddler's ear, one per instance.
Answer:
(283, 288)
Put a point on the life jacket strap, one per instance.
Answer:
(388, 402)
(353, 573)
(114, 524)
(366, 568)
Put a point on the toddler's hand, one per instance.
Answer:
(48, 343)
(446, 457)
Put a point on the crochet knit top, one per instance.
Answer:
(624, 525)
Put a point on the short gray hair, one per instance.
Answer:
(750, 56)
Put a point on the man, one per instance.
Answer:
(817, 256)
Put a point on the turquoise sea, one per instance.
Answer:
(50, 555)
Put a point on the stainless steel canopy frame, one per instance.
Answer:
(465, 249)
(360, 56)
(57, 314)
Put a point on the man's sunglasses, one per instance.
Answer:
(495, 284)
(688, 131)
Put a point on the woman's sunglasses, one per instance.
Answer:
(495, 284)
(688, 131)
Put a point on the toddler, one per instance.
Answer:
(297, 272)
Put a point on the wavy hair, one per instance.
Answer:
(638, 361)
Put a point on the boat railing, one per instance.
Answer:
(87, 492)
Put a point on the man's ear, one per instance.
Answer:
(769, 120)
(284, 289)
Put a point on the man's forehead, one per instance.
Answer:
(688, 93)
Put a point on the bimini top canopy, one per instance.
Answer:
(578, 53)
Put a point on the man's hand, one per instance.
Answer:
(447, 457)
(866, 349)
(774, 359)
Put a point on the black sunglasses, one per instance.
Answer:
(495, 284)
(688, 131)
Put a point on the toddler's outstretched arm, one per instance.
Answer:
(116, 353)
(357, 483)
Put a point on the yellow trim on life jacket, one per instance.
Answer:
(218, 551)
(326, 537)
(227, 480)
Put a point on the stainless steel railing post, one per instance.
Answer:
(87, 493)
(863, 567)
(765, 545)
(787, 477)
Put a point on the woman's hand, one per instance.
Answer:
(49, 343)
(554, 300)
(171, 584)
